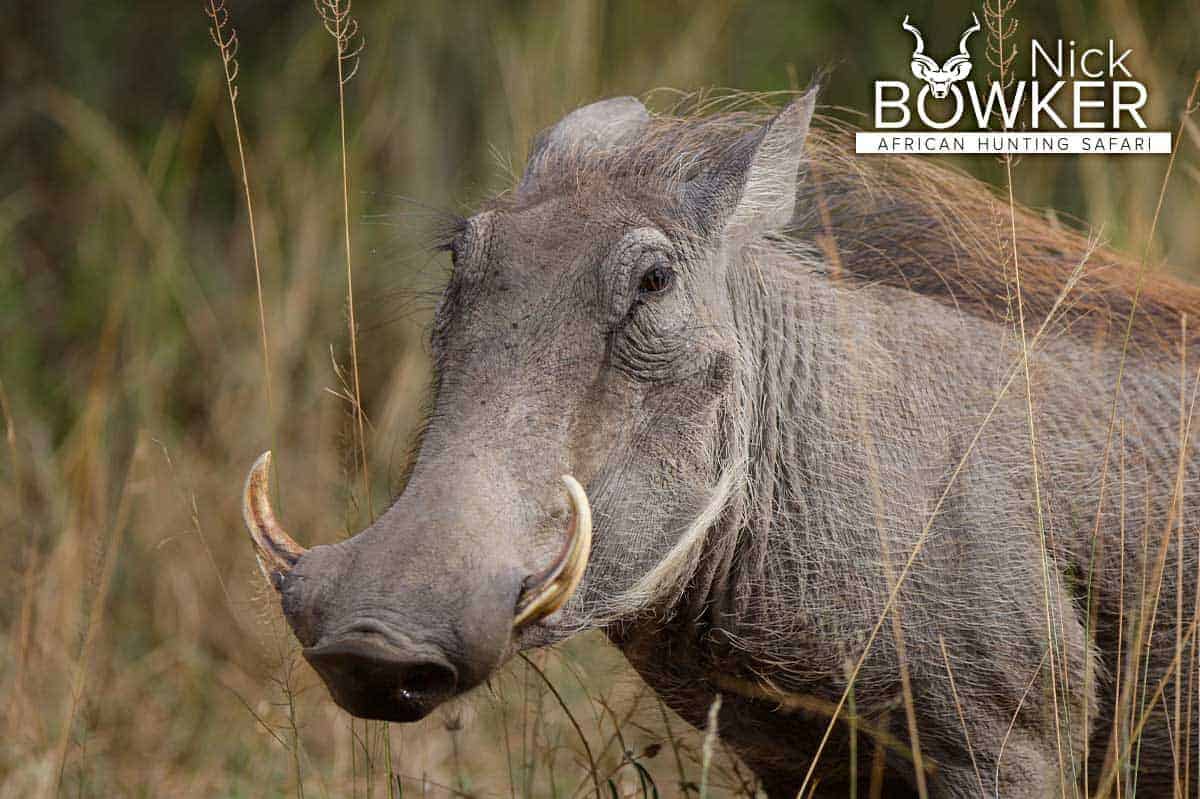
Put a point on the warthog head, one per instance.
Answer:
(587, 330)
(939, 78)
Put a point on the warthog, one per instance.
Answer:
(853, 445)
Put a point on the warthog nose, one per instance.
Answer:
(373, 678)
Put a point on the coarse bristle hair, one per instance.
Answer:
(898, 220)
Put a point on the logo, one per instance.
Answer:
(955, 69)
(1072, 99)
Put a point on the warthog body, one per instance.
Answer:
(793, 385)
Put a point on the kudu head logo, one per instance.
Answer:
(956, 68)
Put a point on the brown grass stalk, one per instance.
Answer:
(1000, 29)
(92, 624)
(343, 27)
(225, 37)
(962, 719)
(1184, 423)
(336, 17)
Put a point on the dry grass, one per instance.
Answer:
(145, 365)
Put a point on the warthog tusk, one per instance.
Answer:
(548, 591)
(275, 550)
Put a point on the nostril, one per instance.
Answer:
(428, 681)
(374, 679)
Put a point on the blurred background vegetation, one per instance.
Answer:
(139, 651)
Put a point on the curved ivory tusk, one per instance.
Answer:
(548, 591)
(275, 550)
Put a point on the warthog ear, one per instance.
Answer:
(603, 125)
(753, 188)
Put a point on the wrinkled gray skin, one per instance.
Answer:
(762, 449)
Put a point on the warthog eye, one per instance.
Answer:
(656, 280)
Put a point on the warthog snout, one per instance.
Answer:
(422, 605)
(377, 674)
